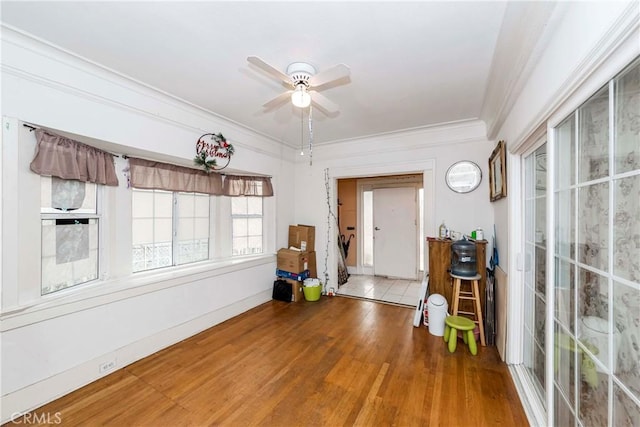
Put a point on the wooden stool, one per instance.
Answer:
(473, 295)
(453, 324)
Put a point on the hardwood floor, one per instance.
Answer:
(338, 361)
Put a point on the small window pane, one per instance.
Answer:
(202, 206)
(254, 244)
(240, 227)
(142, 231)
(254, 205)
(185, 229)
(238, 205)
(565, 224)
(162, 230)
(163, 204)
(626, 228)
(625, 411)
(627, 113)
(541, 170)
(201, 230)
(565, 300)
(142, 204)
(593, 225)
(565, 153)
(186, 205)
(240, 246)
(626, 338)
(61, 195)
(69, 253)
(593, 146)
(255, 227)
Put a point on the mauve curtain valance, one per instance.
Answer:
(237, 185)
(163, 176)
(68, 159)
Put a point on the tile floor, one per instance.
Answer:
(397, 291)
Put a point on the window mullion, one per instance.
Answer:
(174, 230)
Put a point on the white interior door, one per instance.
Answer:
(395, 231)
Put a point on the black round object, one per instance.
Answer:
(463, 258)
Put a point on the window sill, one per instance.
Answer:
(111, 290)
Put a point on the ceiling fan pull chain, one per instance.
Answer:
(310, 135)
(301, 132)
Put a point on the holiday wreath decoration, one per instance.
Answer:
(211, 148)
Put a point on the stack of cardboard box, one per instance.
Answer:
(298, 261)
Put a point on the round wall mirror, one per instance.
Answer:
(463, 177)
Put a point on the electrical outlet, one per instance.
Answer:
(107, 366)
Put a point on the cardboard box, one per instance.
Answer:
(312, 265)
(293, 276)
(292, 261)
(302, 233)
(296, 287)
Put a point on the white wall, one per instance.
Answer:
(51, 346)
(433, 150)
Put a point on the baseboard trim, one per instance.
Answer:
(35, 395)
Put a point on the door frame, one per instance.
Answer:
(370, 184)
(426, 167)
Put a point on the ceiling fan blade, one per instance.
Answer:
(323, 103)
(268, 68)
(330, 74)
(280, 99)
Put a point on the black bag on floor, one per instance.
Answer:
(282, 291)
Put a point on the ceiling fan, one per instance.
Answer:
(305, 83)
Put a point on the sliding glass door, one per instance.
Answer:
(535, 242)
(597, 258)
(582, 223)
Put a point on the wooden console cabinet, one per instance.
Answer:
(440, 281)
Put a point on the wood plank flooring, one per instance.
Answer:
(339, 361)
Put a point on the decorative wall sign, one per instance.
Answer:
(213, 152)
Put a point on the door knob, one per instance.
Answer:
(377, 228)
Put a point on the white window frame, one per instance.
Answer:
(53, 214)
(21, 302)
(247, 216)
(175, 195)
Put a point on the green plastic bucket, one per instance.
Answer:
(312, 293)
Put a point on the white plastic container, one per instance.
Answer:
(595, 331)
(437, 308)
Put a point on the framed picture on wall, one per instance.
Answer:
(498, 172)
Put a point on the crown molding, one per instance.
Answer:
(448, 134)
(185, 115)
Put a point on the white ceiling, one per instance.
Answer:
(413, 64)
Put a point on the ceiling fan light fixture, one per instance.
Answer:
(300, 97)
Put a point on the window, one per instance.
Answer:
(168, 228)
(246, 216)
(69, 224)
